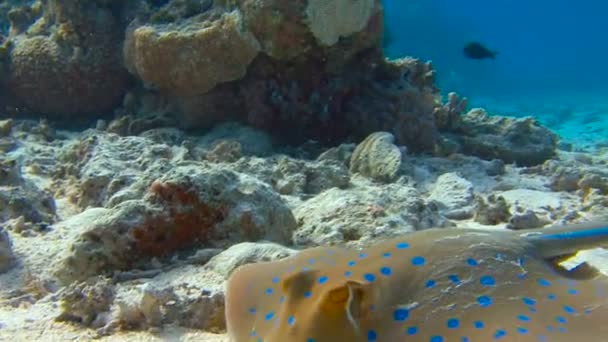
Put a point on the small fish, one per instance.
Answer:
(432, 285)
(476, 50)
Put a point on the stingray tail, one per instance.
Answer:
(562, 240)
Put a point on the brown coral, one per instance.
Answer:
(67, 64)
(191, 58)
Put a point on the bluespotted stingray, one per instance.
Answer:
(433, 285)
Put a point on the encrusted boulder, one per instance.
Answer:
(189, 207)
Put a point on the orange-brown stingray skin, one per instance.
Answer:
(435, 285)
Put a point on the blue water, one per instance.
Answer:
(552, 61)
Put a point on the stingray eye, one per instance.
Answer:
(347, 299)
(339, 295)
(298, 284)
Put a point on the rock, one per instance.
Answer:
(492, 210)
(22, 198)
(542, 203)
(86, 302)
(253, 142)
(105, 169)
(340, 153)
(522, 141)
(225, 151)
(187, 296)
(526, 220)
(454, 196)
(7, 257)
(360, 215)
(377, 157)
(290, 176)
(297, 177)
(246, 253)
(189, 207)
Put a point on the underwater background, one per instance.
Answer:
(229, 170)
(551, 60)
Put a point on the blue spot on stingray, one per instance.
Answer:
(253, 333)
(542, 338)
(522, 331)
(572, 291)
(551, 296)
(472, 262)
(436, 339)
(371, 335)
(401, 314)
(569, 309)
(269, 291)
(307, 294)
(386, 255)
(464, 339)
(402, 245)
(523, 318)
(484, 301)
(352, 263)
(369, 277)
(562, 329)
(550, 328)
(282, 299)
(412, 331)
(588, 312)
(323, 279)
(386, 271)
(453, 323)
(544, 282)
(430, 283)
(487, 281)
(269, 315)
(348, 273)
(454, 279)
(478, 324)
(529, 301)
(362, 255)
(418, 261)
(561, 319)
(275, 280)
(500, 333)
(252, 310)
(291, 320)
(311, 261)
(532, 309)
(310, 340)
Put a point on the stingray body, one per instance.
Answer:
(433, 285)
